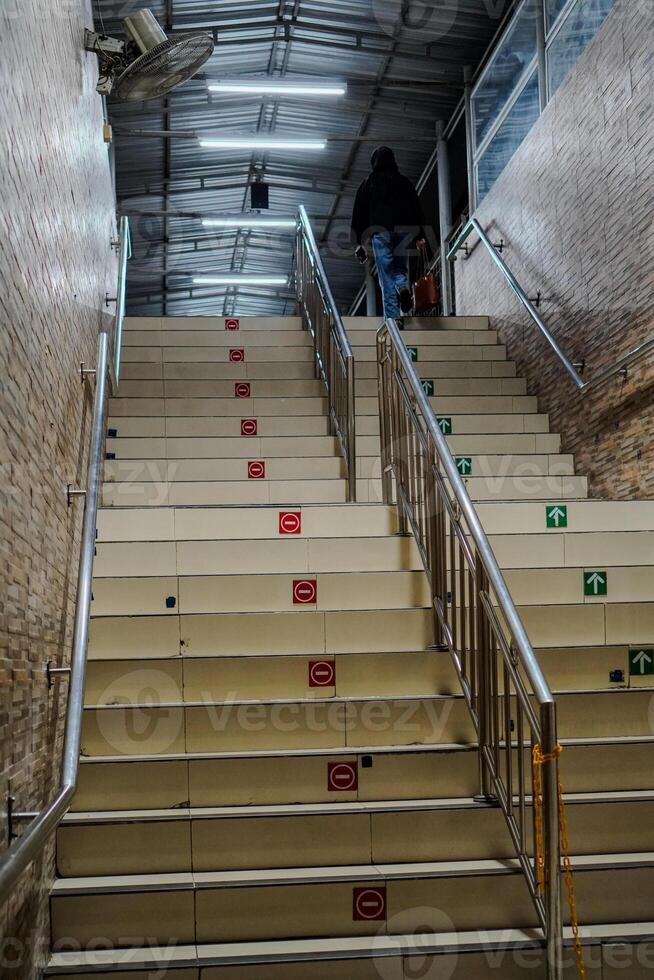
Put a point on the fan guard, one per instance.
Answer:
(163, 67)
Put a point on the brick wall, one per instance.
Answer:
(56, 222)
(575, 207)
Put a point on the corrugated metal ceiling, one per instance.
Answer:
(403, 62)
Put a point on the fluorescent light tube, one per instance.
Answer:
(263, 86)
(247, 221)
(240, 280)
(260, 143)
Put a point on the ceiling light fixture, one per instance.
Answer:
(264, 86)
(240, 280)
(260, 143)
(248, 221)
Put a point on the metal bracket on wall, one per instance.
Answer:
(73, 492)
(85, 372)
(16, 815)
(500, 246)
(537, 299)
(108, 300)
(51, 672)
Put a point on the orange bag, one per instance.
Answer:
(426, 291)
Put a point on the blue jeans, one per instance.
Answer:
(392, 268)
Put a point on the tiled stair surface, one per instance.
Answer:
(278, 771)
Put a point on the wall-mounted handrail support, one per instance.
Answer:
(460, 243)
(512, 707)
(333, 352)
(28, 846)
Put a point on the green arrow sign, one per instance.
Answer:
(464, 465)
(413, 353)
(641, 662)
(445, 425)
(428, 388)
(556, 515)
(596, 583)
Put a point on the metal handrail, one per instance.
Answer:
(30, 844)
(619, 367)
(333, 352)
(125, 253)
(510, 701)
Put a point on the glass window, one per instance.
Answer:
(554, 8)
(508, 138)
(579, 27)
(506, 71)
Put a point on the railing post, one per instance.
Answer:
(436, 518)
(470, 153)
(552, 842)
(444, 215)
(483, 678)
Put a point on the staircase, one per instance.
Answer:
(279, 774)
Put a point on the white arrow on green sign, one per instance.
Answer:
(596, 583)
(556, 515)
(445, 425)
(641, 662)
(413, 353)
(428, 388)
(464, 465)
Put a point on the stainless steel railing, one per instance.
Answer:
(512, 707)
(333, 353)
(573, 370)
(30, 844)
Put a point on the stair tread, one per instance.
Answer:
(323, 809)
(345, 947)
(329, 874)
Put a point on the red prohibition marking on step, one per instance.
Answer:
(242, 389)
(305, 591)
(232, 323)
(249, 427)
(256, 470)
(342, 776)
(368, 904)
(236, 354)
(290, 522)
(322, 673)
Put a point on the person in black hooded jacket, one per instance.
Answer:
(387, 213)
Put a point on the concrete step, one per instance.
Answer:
(219, 449)
(331, 591)
(162, 357)
(497, 488)
(234, 523)
(237, 557)
(132, 842)
(215, 407)
(309, 723)
(256, 905)
(241, 390)
(609, 949)
(207, 336)
(282, 490)
(216, 323)
(241, 370)
(455, 404)
(366, 365)
(215, 428)
(426, 323)
(141, 781)
(427, 338)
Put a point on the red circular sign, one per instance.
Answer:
(305, 591)
(290, 522)
(322, 673)
(342, 777)
(256, 470)
(248, 427)
(236, 354)
(369, 903)
(232, 323)
(242, 389)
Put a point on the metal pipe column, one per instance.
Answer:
(444, 214)
(472, 184)
(371, 292)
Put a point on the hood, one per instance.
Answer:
(383, 161)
